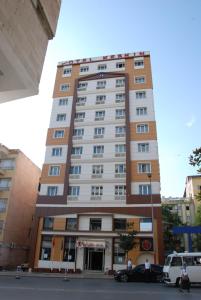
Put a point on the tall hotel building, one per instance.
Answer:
(101, 169)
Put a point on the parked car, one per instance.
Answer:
(138, 274)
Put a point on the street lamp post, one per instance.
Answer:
(152, 211)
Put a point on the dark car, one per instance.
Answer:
(138, 274)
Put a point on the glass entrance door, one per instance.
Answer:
(94, 259)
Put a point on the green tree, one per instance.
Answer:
(195, 159)
(170, 219)
(127, 241)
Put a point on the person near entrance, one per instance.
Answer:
(184, 279)
(147, 270)
(129, 264)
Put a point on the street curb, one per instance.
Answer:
(56, 275)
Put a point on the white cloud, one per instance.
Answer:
(191, 122)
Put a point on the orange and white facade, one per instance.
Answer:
(101, 146)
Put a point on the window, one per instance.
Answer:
(71, 224)
(120, 190)
(176, 261)
(98, 149)
(69, 249)
(120, 113)
(101, 84)
(61, 117)
(138, 64)
(67, 71)
(63, 101)
(99, 132)
(46, 245)
(140, 111)
(120, 131)
(84, 69)
(79, 132)
(81, 101)
(120, 168)
(96, 190)
(102, 67)
(48, 223)
(100, 99)
(54, 171)
(73, 190)
(142, 128)
(144, 168)
(99, 115)
(82, 86)
(5, 183)
(143, 147)
(77, 150)
(120, 148)
(140, 95)
(7, 164)
(3, 205)
(120, 98)
(139, 79)
(146, 224)
(144, 189)
(119, 253)
(64, 87)
(120, 224)
(79, 116)
(120, 65)
(56, 151)
(97, 169)
(75, 170)
(58, 134)
(52, 190)
(95, 224)
(1, 225)
(120, 82)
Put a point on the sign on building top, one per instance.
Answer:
(102, 58)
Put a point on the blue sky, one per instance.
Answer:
(170, 30)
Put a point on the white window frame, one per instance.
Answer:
(120, 148)
(81, 101)
(120, 65)
(140, 94)
(64, 87)
(120, 131)
(101, 67)
(54, 173)
(120, 190)
(82, 86)
(97, 169)
(100, 99)
(142, 128)
(144, 168)
(96, 190)
(67, 71)
(52, 191)
(101, 84)
(140, 79)
(61, 117)
(78, 132)
(99, 131)
(120, 97)
(143, 147)
(57, 151)
(98, 149)
(120, 82)
(60, 134)
(120, 168)
(63, 102)
(99, 115)
(75, 170)
(79, 116)
(120, 113)
(84, 69)
(73, 190)
(144, 189)
(141, 111)
(139, 63)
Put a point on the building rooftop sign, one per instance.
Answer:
(102, 58)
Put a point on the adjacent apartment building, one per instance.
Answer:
(19, 178)
(101, 169)
(192, 188)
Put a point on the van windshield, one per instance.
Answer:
(167, 261)
(176, 261)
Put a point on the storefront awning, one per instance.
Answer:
(90, 244)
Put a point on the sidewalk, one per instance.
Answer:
(87, 275)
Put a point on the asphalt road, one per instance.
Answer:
(88, 289)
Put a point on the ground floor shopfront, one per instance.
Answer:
(58, 248)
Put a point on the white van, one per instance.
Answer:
(174, 262)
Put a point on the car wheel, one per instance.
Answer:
(124, 277)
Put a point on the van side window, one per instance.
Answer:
(188, 260)
(176, 261)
